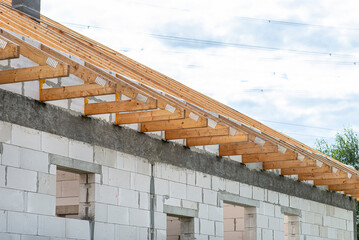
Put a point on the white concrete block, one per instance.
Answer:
(203, 211)
(5, 132)
(128, 198)
(219, 229)
(203, 180)
(161, 234)
(118, 215)
(26, 137)
(189, 204)
(78, 229)
(11, 199)
(273, 197)
(55, 144)
(34, 160)
(194, 193)
(218, 184)
(3, 220)
(160, 220)
(106, 194)
(51, 226)
(140, 182)
(2, 176)
(126, 162)
(119, 178)
(283, 200)
(159, 203)
(21, 179)
(47, 184)
(209, 197)
(22, 223)
(125, 232)
(11, 155)
(161, 186)
(104, 231)
(191, 177)
(258, 193)
(215, 213)
(101, 212)
(294, 202)
(143, 166)
(267, 209)
(81, 151)
(232, 186)
(206, 227)
(245, 190)
(105, 156)
(172, 202)
(9, 236)
(41, 203)
(140, 218)
(144, 200)
(172, 173)
(52, 169)
(178, 190)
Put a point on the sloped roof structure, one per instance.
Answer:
(156, 101)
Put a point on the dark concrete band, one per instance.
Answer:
(26, 112)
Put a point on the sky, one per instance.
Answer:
(292, 65)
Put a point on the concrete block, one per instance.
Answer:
(215, 213)
(161, 235)
(47, 184)
(26, 137)
(78, 229)
(172, 202)
(267, 209)
(219, 229)
(172, 173)
(52, 169)
(206, 227)
(203, 180)
(51, 226)
(178, 190)
(283, 200)
(160, 220)
(159, 203)
(106, 194)
(189, 204)
(81, 151)
(273, 197)
(232, 186)
(8, 236)
(218, 184)
(11, 155)
(262, 221)
(105, 156)
(101, 212)
(209, 197)
(126, 162)
(144, 200)
(22, 223)
(140, 218)
(245, 190)
(203, 211)
(140, 182)
(128, 198)
(12, 200)
(161, 186)
(34, 160)
(5, 132)
(125, 232)
(118, 215)
(55, 144)
(30, 237)
(191, 177)
(12, 87)
(2, 175)
(119, 178)
(21, 179)
(3, 220)
(143, 166)
(194, 193)
(258, 193)
(41, 203)
(104, 231)
(267, 234)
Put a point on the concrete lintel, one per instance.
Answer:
(73, 165)
(238, 200)
(291, 211)
(180, 211)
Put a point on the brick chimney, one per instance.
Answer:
(30, 7)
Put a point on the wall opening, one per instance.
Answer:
(291, 227)
(67, 194)
(239, 222)
(179, 228)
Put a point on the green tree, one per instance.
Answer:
(345, 149)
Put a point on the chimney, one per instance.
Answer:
(30, 7)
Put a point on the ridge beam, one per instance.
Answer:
(8, 49)
(119, 106)
(85, 90)
(149, 116)
(245, 148)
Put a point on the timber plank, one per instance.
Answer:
(148, 116)
(245, 148)
(216, 140)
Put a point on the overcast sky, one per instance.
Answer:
(289, 64)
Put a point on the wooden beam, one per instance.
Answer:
(292, 171)
(216, 140)
(322, 176)
(10, 51)
(288, 164)
(148, 116)
(245, 148)
(352, 192)
(173, 124)
(336, 181)
(33, 73)
(269, 157)
(85, 90)
(220, 130)
(344, 187)
(118, 106)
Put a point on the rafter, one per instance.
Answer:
(245, 148)
(85, 90)
(220, 130)
(119, 106)
(148, 116)
(288, 164)
(322, 176)
(216, 140)
(344, 187)
(293, 171)
(336, 181)
(269, 157)
(8, 49)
